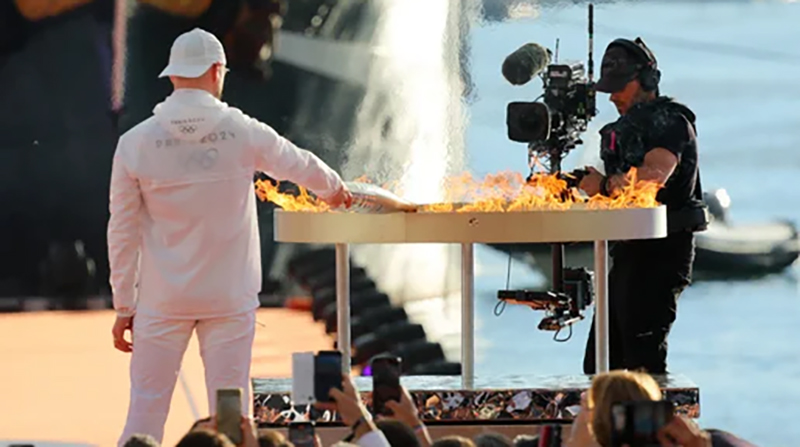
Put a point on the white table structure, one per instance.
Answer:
(577, 224)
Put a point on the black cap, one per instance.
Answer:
(618, 68)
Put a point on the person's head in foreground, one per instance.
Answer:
(272, 438)
(594, 424)
(526, 441)
(613, 387)
(197, 61)
(204, 438)
(453, 441)
(629, 72)
(397, 433)
(492, 440)
(141, 441)
(203, 433)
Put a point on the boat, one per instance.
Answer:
(726, 250)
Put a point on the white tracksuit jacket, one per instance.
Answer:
(183, 239)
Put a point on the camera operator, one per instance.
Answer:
(655, 135)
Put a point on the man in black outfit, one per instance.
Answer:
(655, 135)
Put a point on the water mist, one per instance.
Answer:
(409, 136)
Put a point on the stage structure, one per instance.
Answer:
(502, 400)
(575, 224)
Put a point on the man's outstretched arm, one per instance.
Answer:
(124, 234)
(279, 158)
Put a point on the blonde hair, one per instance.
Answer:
(613, 387)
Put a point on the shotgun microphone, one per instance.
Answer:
(525, 63)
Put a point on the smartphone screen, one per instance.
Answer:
(637, 423)
(229, 414)
(327, 374)
(385, 383)
(301, 434)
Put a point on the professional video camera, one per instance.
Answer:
(552, 128)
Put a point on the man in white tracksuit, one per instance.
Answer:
(183, 238)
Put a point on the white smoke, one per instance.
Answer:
(410, 133)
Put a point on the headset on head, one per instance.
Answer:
(649, 74)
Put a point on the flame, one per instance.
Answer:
(269, 192)
(502, 192)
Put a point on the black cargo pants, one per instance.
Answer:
(644, 283)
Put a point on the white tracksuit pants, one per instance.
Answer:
(226, 346)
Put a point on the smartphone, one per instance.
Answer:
(302, 378)
(301, 434)
(385, 383)
(327, 374)
(229, 413)
(636, 424)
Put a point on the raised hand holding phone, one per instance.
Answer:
(327, 375)
(386, 388)
(682, 431)
(638, 423)
(404, 409)
(229, 414)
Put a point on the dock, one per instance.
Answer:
(63, 381)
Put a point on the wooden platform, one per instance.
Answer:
(62, 379)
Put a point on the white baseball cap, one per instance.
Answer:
(193, 53)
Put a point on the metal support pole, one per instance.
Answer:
(557, 263)
(601, 306)
(467, 316)
(119, 45)
(343, 304)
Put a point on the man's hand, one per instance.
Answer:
(121, 325)
(249, 433)
(348, 402)
(616, 183)
(406, 412)
(683, 432)
(343, 197)
(350, 408)
(592, 182)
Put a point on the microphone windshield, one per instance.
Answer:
(525, 63)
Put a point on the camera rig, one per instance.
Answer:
(552, 128)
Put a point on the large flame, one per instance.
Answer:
(503, 192)
(269, 192)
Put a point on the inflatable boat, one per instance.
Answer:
(725, 251)
(728, 249)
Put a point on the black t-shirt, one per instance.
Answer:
(14, 29)
(661, 123)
